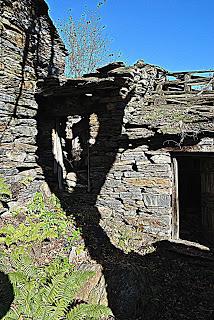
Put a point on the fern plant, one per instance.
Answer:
(48, 291)
(45, 293)
(88, 312)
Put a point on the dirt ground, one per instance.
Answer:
(175, 282)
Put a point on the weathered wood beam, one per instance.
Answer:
(198, 81)
(192, 71)
(182, 95)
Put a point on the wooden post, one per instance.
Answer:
(175, 202)
(187, 87)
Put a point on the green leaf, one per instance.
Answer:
(88, 312)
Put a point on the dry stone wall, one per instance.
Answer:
(30, 50)
(124, 164)
(104, 140)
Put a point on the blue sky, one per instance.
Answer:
(175, 34)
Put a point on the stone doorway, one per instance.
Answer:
(193, 218)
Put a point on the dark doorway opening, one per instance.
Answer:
(189, 188)
(195, 197)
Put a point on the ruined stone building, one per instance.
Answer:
(136, 142)
(30, 50)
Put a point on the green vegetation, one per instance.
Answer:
(124, 239)
(27, 180)
(39, 223)
(5, 192)
(44, 289)
(84, 311)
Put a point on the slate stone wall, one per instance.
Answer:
(135, 199)
(30, 50)
(129, 144)
(116, 131)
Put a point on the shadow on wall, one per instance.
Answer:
(6, 294)
(173, 282)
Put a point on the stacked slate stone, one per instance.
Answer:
(130, 184)
(30, 50)
(127, 169)
(135, 198)
(105, 138)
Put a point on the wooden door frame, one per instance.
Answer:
(175, 226)
(175, 201)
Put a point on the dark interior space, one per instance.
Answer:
(189, 190)
(195, 190)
